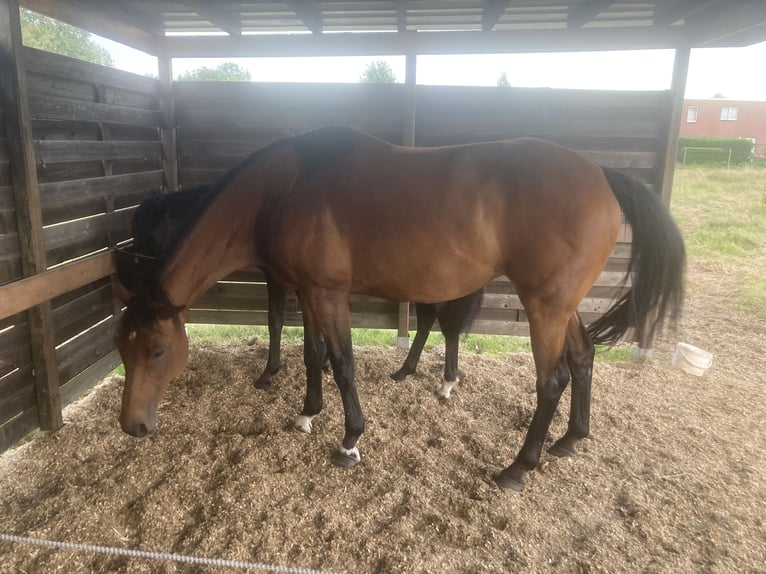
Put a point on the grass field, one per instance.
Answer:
(722, 214)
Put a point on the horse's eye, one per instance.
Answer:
(158, 352)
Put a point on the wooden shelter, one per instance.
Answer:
(81, 145)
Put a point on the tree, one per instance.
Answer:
(48, 34)
(226, 72)
(502, 81)
(378, 72)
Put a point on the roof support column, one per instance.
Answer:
(13, 90)
(668, 160)
(167, 123)
(410, 82)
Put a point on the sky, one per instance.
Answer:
(731, 72)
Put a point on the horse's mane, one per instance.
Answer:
(206, 199)
(315, 149)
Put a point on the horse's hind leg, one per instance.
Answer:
(277, 296)
(426, 314)
(330, 311)
(451, 347)
(579, 353)
(313, 357)
(547, 331)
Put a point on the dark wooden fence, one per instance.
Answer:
(99, 150)
(96, 139)
(218, 125)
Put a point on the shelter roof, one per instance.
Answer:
(198, 28)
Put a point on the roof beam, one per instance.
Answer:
(217, 16)
(426, 43)
(730, 20)
(309, 13)
(493, 9)
(101, 19)
(582, 12)
(668, 13)
(401, 15)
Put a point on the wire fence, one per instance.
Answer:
(161, 556)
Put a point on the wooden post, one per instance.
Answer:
(28, 211)
(665, 171)
(410, 81)
(668, 159)
(167, 123)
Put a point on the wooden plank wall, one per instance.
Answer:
(98, 150)
(220, 124)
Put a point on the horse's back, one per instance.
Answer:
(454, 216)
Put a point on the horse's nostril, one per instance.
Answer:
(142, 430)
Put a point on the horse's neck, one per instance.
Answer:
(220, 242)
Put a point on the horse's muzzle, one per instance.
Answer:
(137, 429)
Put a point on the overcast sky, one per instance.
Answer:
(736, 73)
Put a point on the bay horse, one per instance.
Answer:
(157, 223)
(333, 211)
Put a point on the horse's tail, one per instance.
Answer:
(657, 260)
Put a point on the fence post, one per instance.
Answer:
(403, 321)
(13, 89)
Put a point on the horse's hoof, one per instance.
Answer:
(346, 458)
(303, 423)
(561, 450)
(401, 374)
(263, 383)
(445, 391)
(509, 480)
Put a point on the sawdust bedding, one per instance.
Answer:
(672, 478)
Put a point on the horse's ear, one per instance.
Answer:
(120, 291)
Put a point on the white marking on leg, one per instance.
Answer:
(446, 389)
(351, 453)
(303, 423)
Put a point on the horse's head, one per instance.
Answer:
(152, 342)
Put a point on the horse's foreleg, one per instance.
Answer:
(277, 296)
(547, 337)
(426, 314)
(313, 356)
(579, 354)
(331, 311)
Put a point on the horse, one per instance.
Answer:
(455, 317)
(157, 221)
(334, 211)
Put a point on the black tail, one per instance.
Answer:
(657, 260)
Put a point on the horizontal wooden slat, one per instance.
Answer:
(51, 108)
(64, 151)
(81, 352)
(73, 389)
(50, 64)
(20, 426)
(78, 238)
(26, 293)
(79, 314)
(61, 200)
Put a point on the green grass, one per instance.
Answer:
(722, 213)
(470, 343)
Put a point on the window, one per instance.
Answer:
(729, 114)
(691, 114)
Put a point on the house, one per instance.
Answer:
(721, 117)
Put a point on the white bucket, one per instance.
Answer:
(691, 359)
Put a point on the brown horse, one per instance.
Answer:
(333, 212)
(156, 225)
